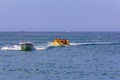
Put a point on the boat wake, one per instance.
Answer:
(17, 47)
(41, 47)
(14, 47)
(94, 43)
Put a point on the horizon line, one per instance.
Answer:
(59, 31)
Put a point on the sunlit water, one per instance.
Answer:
(91, 56)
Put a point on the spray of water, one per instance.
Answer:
(14, 47)
(17, 47)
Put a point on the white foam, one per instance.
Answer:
(93, 43)
(14, 47)
(17, 47)
(43, 46)
(76, 44)
(40, 47)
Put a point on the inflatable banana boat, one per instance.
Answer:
(60, 42)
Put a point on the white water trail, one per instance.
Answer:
(14, 47)
(17, 47)
(93, 43)
(43, 47)
(40, 47)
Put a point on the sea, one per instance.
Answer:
(90, 56)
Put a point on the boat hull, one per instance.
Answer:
(26, 47)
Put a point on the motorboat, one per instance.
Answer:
(26, 46)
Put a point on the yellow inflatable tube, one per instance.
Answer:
(60, 42)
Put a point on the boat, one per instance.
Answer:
(26, 46)
(60, 42)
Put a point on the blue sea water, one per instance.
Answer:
(91, 56)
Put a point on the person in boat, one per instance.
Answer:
(61, 42)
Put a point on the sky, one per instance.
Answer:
(59, 15)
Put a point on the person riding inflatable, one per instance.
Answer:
(60, 42)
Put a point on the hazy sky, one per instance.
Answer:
(60, 15)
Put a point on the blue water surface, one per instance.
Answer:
(91, 56)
